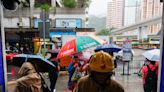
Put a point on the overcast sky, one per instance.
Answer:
(98, 7)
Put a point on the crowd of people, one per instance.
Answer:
(85, 75)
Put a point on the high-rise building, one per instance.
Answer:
(130, 12)
(149, 9)
(115, 14)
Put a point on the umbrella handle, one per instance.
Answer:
(26, 58)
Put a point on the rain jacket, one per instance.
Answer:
(87, 84)
(29, 81)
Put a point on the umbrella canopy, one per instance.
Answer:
(153, 55)
(108, 48)
(86, 56)
(54, 51)
(43, 65)
(79, 44)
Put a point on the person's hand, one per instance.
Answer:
(76, 65)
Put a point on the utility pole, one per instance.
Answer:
(31, 12)
(3, 51)
(43, 19)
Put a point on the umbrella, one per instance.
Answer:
(79, 44)
(108, 48)
(153, 55)
(43, 65)
(54, 51)
(86, 56)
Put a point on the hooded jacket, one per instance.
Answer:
(30, 80)
(87, 84)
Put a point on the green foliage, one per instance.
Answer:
(104, 32)
(43, 4)
(45, 7)
(69, 3)
(25, 3)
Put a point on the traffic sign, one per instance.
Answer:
(127, 54)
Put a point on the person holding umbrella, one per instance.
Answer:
(110, 49)
(29, 80)
(54, 71)
(150, 70)
(99, 78)
(75, 64)
(150, 76)
(32, 66)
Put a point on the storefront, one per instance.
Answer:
(18, 39)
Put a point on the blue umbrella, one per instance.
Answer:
(42, 65)
(108, 48)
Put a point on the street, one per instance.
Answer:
(131, 83)
(57, 30)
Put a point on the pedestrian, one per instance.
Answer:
(150, 76)
(29, 80)
(54, 72)
(84, 66)
(99, 78)
(73, 66)
(114, 60)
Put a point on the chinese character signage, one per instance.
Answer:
(68, 23)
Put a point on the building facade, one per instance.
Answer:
(115, 14)
(130, 12)
(26, 20)
(149, 9)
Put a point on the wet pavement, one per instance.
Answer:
(131, 83)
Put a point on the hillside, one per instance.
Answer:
(98, 23)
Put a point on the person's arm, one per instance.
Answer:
(29, 79)
(144, 69)
(71, 68)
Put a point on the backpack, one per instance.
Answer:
(151, 79)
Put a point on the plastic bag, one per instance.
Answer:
(76, 75)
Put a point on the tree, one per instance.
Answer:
(69, 3)
(43, 4)
(105, 31)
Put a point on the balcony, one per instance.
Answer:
(70, 10)
(23, 12)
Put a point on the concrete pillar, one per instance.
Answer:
(145, 32)
(53, 3)
(142, 33)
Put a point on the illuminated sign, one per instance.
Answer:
(61, 33)
(69, 23)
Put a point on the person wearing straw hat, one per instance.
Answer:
(99, 79)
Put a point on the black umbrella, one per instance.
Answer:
(41, 64)
(108, 48)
